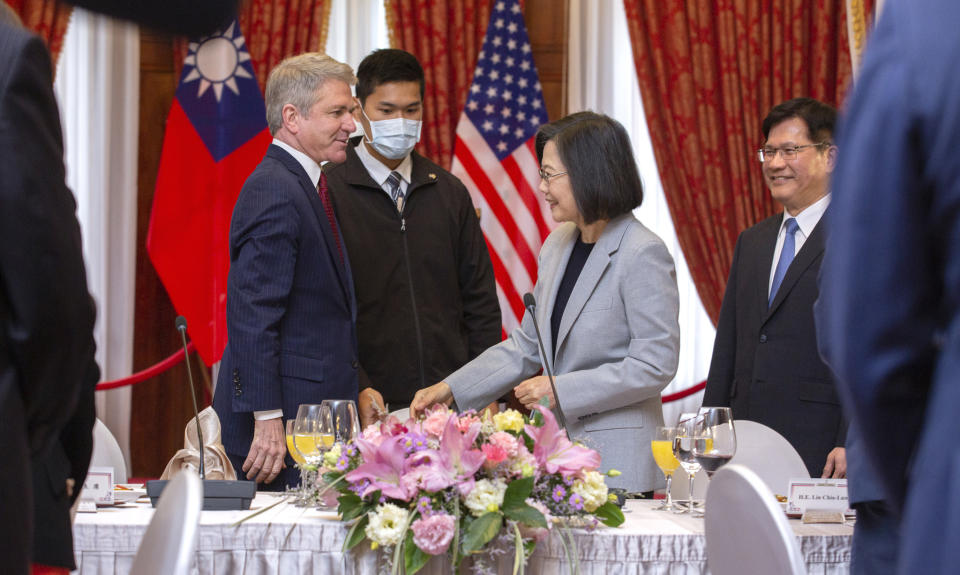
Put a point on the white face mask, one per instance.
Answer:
(393, 138)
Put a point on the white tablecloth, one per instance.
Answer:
(290, 541)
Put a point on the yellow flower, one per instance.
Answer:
(509, 420)
(614, 473)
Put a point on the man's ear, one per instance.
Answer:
(291, 118)
(832, 153)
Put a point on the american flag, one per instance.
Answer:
(496, 159)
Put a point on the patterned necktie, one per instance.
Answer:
(328, 207)
(786, 256)
(396, 194)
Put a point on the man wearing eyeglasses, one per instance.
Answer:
(765, 363)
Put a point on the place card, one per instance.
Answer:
(818, 494)
(98, 486)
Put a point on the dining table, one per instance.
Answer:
(276, 537)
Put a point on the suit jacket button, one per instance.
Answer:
(763, 338)
(355, 364)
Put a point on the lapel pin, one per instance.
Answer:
(432, 176)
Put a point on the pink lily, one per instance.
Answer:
(554, 452)
(383, 467)
(455, 462)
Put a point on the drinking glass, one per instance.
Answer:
(683, 451)
(291, 445)
(715, 438)
(662, 447)
(306, 432)
(345, 426)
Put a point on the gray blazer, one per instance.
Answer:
(617, 346)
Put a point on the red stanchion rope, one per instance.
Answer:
(151, 371)
(683, 393)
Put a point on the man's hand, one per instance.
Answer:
(436, 393)
(531, 390)
(836, 466)
(269, 445)
(371, 407)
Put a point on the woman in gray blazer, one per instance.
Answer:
(608, 306)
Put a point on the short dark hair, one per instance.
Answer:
(597, 153)
(385, 66)
(820, 118)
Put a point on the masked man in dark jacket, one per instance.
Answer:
(426, 296)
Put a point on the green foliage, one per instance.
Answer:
(481, 531)
(413, 557)
(609, 514)
(357, 533)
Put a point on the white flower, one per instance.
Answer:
(486, 496)
(386, 524)
(593, 490)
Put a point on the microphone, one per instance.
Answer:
(218, 494)
(531, 304)
(181, 323)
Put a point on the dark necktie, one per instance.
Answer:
(786, 256)
(328, 207)
(396, 194)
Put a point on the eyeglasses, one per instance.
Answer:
(769, 154)
(547, 177)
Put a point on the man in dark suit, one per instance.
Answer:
(891, 283)
(291, 311)
(46, 313)
(765, 363)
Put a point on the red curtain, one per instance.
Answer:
(274, 30)
(709, 71)
(46, 18)
(445, 35)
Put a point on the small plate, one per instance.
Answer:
(124, 492)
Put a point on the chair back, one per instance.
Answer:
(768, 454)
(746, 528)
(169, 543)
(107, 452)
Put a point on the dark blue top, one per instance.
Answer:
(581, 251)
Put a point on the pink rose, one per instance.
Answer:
(436, 421)
(504, 441)
(494, 454)
(433, 534)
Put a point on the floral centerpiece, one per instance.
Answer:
(457, 485)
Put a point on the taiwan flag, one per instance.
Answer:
(216, 135)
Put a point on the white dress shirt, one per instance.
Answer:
(806, 221)
(380, 172)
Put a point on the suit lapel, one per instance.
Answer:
(313, 197)
(811, 250)
(764, 259)
(550, 274)
(597, 263)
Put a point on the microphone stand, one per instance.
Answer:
(218, 494)
(531, 304)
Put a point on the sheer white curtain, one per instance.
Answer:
(601, 77)
(97, 86)
(357, 27)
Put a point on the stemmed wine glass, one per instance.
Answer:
(345, 423)
(683, 451)
(715, 438)
(662, 447)
(312, 422)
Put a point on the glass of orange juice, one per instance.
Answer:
(662, 447)
(292, 446)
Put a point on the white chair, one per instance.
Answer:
(768, 454)
(167, 546)
(746, 529)
(107, 452)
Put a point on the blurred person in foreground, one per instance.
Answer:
(607, 305)
(766, 364)
(291, 309)
(891, 296)
(47, 370)
(426, 297)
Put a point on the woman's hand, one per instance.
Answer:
(531, 390)
(437, 393)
